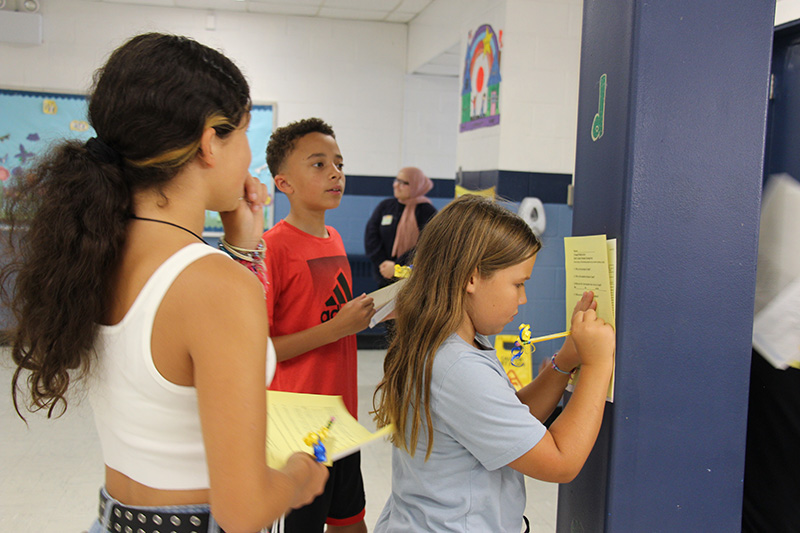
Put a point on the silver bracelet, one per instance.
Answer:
(555, 366)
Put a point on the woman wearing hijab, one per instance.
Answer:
(393, 229)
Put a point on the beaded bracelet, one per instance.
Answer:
(555, 366)
(243, 254)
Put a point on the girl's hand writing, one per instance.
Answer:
(568, 354)
(593, 338)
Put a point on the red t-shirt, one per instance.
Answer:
(309, 280)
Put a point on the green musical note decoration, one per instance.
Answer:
(597, 123)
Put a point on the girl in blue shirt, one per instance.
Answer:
(464, 438)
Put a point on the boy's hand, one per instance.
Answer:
(244, 226)
(354, 315)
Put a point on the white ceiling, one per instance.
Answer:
(400, 11)
(397, 11)
(447, 63)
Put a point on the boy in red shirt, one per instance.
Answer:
(313, 317)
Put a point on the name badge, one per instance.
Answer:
(386, 220)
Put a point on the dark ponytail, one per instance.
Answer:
(150, 105)
(64, 257)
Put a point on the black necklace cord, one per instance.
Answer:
(198, 237)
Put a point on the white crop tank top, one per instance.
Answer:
(149, 427)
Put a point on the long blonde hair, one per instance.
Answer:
(470, 234)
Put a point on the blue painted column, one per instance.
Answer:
(671, 165)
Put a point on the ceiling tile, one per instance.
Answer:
(222, 5)
(284, 4)
(397, 16)
(365, 5)
(397, 11)
(283, 9)
(166, 3)
(352, 14)
(413, 6)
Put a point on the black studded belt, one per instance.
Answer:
(124, 519)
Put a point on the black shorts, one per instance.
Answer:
(342, 503)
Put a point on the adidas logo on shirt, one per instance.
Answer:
(341, 295)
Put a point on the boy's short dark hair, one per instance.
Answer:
(282, 140)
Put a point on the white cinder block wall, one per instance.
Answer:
(355, 75)
(479, 149)
(539, 92)
(539, 66)
(786, 11)
(352, 74)
(431, 124)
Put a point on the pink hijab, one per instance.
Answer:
(407, 228)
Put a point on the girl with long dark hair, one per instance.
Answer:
(112, 283)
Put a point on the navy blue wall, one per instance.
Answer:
(677, 178)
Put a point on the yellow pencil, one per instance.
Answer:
(549, 337)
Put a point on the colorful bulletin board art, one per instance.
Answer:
(480, 93)
(30, 121)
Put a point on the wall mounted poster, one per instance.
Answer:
(480, 92)
(30, 121)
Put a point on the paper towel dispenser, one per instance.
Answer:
(531, 210)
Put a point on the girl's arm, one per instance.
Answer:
(545, 391)
(561, 453)
(224, 324)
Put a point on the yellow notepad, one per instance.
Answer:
(291, 416)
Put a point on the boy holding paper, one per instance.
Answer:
(313, 315)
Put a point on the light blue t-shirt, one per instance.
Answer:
(479, 427)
